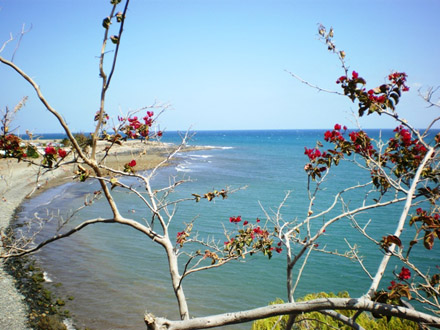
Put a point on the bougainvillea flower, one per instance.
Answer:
(229, 242)
(405, 274)
(132, 163)
(49, 150)
(62, 153)
(312, 153)
(393, 284)
(341, 79)
(235, 219)
(328, 136)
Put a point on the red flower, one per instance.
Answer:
(50, 150)
(258, 220)
(337, 127)
(328, 135)
(312, 153)
(393, 284)
(150, 113)
(278, 249)
(341, 79)
(245, 223)
(405, 274)
(406, 137)
(62, 153)
(353, 136)
(148, 121)
(132, 163)
(381, 99)
(355, 75)
(228, 242)
(235, 219)
(160, 133)
(258, 231)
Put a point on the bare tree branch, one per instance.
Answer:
(57, 237)
(22, 33)
(399, 228)
(317, 305)
(313, 86)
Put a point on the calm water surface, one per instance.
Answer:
(115, 273)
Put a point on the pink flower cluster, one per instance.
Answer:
(235, 219)
(135, 128)
(399, 79)
(343, 79)
(312, 153)
(52, 151)
(379, 99)
(332, 136)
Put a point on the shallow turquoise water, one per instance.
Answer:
(115, 273)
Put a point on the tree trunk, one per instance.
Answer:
(292, 317)
(175, 278)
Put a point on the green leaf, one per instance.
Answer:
(197, 197)
(114, 39)
(391, 239)
(114, 183)
(412, 243)
(428, 240)
(119, 17)
(395, 98)
(106, 22)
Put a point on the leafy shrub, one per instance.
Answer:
(83, 141)
(316, 320)
(32, 152)
(66, 142)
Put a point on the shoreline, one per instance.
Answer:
(17, 183)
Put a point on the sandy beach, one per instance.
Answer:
(18, 182)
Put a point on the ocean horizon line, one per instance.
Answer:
(44, 134)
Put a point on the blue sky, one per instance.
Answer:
(221, 64)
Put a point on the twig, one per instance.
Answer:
(313, 86)
(22, 33)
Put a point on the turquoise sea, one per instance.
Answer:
(115, 273)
